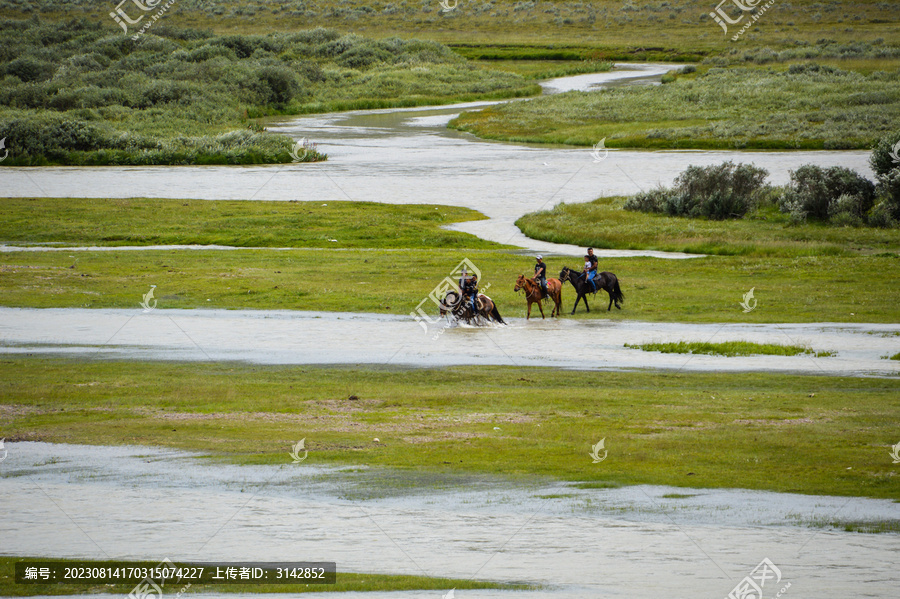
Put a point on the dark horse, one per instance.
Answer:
(603, 280)
(461, 308)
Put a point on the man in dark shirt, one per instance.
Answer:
(591, 271)
(468, 285)
(540, 273)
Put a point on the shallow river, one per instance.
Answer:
(634, 542)
(296, 337)
(407, 156)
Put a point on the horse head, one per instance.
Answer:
(564, 274)
(520, 283)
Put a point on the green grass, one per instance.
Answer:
(658, 27)
(894, 357)
(738, 107)
(774, 432)
(810, 289)
(729, 349)
(862, 526)
(347, 582)
(388, 258)
(102, 222)
(767, 231)
(395, 281)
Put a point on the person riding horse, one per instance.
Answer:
(468, 286)
(540, 273)
(590, 267)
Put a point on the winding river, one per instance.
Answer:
(408, 156)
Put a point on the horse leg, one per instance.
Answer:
(529, 311)
(609, 307)
(581, 297)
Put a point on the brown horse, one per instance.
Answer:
(533, 294)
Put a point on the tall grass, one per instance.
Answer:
(655, 27)
(72, 93)
(807, 106)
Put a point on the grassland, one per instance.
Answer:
(368, 270)
(347, 582)
(77, 221)
(767, 231)
(806, 434)
(729, 349)
(804, 106)
(658, 26)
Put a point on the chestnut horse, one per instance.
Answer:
(533, 294)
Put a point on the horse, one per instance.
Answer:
(533, 294)
(603, 280)
(462, 309)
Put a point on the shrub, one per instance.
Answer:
(882, 159)
(277, 85)
(814, 193)
(715, 192)
(30, 69)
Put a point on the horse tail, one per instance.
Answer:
(495, 314)
(617, 293)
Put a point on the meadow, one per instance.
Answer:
(801, 434)
(303, 269)
(785, 106)
(765, 231)
(657, 27)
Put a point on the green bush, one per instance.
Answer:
(817, 193)
(883, 155)
(716, 192)
(30, 69)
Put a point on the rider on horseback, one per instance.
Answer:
(590, 267)
(468, 286)
(540, 273)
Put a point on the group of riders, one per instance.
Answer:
(468, 284)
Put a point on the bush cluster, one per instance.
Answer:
(834, 195)
(72, 87)
(715, 192)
